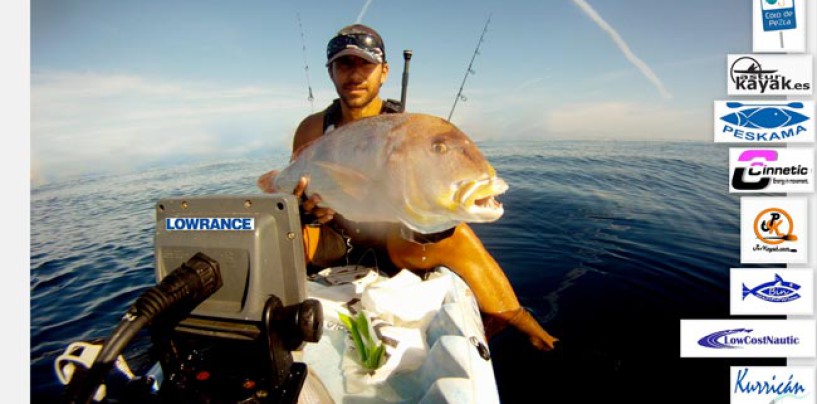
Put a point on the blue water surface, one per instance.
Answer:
(610, 244)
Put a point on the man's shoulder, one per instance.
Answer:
(309, 129)
(312, 122)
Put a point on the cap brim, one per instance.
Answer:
(354, 52)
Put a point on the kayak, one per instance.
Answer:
(436, 350)
(235, 322)
(431, 328)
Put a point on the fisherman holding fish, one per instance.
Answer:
(400, 185)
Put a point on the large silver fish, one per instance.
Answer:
(415, 169)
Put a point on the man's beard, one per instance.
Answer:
(358, 101)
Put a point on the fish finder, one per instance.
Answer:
(236, 345)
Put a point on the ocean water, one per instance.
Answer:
(610, 244)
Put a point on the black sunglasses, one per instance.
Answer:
(365, 42)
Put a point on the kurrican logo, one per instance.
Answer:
(774, 226)
(747, 74)
(758, 175)
(776, 291)
(753, 383)
(765, 122)
(742, 337)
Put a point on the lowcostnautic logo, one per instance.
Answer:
(210, 223)
(740, 337)
(771, 388)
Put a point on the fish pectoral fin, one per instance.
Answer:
(266, 182)
(353, 183)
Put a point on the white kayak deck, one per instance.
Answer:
(435, 341)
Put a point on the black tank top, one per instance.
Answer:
(367, 245)
(332, 114)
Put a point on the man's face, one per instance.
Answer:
(356, 80)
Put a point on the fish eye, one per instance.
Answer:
(439, 147)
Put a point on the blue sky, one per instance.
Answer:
(119, 86)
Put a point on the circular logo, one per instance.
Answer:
(774, 226)
(746, 66)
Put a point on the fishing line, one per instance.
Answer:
(470, 69)
(311, 98)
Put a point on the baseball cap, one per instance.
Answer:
(356, 40)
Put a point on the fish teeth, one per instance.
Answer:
(471, 187)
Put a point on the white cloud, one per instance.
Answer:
(87, 122)
(96, 123)
(624, 47)
(363, 12)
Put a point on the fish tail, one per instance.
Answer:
(746, 291)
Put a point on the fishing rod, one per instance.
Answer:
(406, 60)
(311, 98)
(470, 70)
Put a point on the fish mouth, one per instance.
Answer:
(478, 197)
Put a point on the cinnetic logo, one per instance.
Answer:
(771, 170)
(771, 384)
(761, 74)
(764, 122)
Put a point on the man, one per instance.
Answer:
(356, 61)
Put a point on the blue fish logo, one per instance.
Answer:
(765, 116)
(776, 291)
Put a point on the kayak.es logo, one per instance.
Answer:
(762, 74)
(764, 122)
(776, 291)
(771, 170)
(773, 230)
(771, 384)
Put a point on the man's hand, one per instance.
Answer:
(310, 206)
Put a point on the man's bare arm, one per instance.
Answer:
(311, 128)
